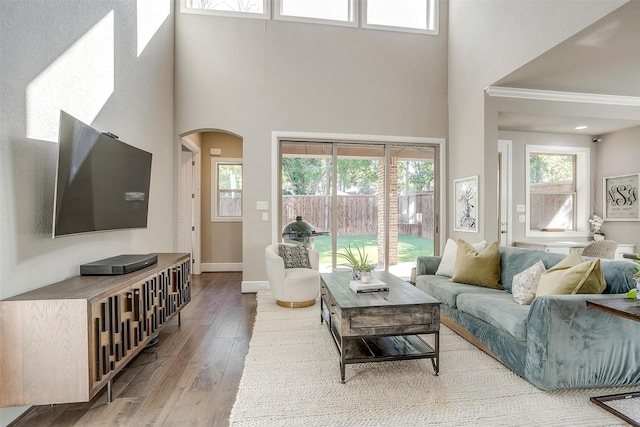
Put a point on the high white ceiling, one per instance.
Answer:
(602, 59)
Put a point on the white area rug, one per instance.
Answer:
(291, 378)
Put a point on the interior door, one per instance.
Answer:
(185, 211)
(504, 191)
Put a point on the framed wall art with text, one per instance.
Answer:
(620, 198)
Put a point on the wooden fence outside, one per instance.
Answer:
(358, 215)
(230, 207)
(552, 203)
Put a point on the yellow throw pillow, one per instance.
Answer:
(477, 268)
(572, 276)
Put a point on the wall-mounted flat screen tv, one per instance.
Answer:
(101, 184)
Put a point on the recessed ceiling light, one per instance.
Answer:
(580, 127)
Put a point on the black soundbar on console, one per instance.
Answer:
(121, 264)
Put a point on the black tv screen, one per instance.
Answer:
(102, 183)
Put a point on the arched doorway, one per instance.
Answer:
(210, 199)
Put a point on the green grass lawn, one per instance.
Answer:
(409, 247)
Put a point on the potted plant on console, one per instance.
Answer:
(358, 259)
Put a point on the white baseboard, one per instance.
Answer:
(253, 286)
(219, 267)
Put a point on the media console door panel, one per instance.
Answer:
(125, 322)
(43, 352)
(66, 350)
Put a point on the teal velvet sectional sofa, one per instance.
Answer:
(557, 342)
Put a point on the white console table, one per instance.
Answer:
(567, 247)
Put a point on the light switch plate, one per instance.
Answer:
(520, 208)
(262, 206)
(265, 216)
(522, 218)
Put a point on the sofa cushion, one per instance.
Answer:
(497, 309)
(572, 276)
(619, 275)
(525, 284)
(427, 264)
(481, 268)
(443, 289)
(448, 261)
(514, 260)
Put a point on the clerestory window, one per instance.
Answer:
(337, 12)
(235, 8)
(416, 16)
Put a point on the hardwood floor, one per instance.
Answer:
(190, 378)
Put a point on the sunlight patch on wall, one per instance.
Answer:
(80, 81)
(151, 15)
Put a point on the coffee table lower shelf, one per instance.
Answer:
(381, 348)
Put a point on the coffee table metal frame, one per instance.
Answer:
(379, 326)
(629, 309)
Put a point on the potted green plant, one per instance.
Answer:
(358, 259)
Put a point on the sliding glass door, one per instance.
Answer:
(413, 219)
(360, 186)
(306, 182)
(380, 197)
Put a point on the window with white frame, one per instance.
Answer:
(414, 16)
(400, 15)
(557, 188)
(338, 12)
(237, 8)
(226, 190)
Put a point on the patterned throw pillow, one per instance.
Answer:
(525, 284)
(294, 256)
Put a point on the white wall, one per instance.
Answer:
(45, 48)
(253, 77)
(618, 154)
(488, 40)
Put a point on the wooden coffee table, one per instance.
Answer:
(379, 326)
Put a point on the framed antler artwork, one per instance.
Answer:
(466, 204)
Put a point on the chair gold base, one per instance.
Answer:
(297, 304)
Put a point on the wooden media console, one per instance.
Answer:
(64, 342)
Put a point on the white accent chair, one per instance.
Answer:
(292, 287)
